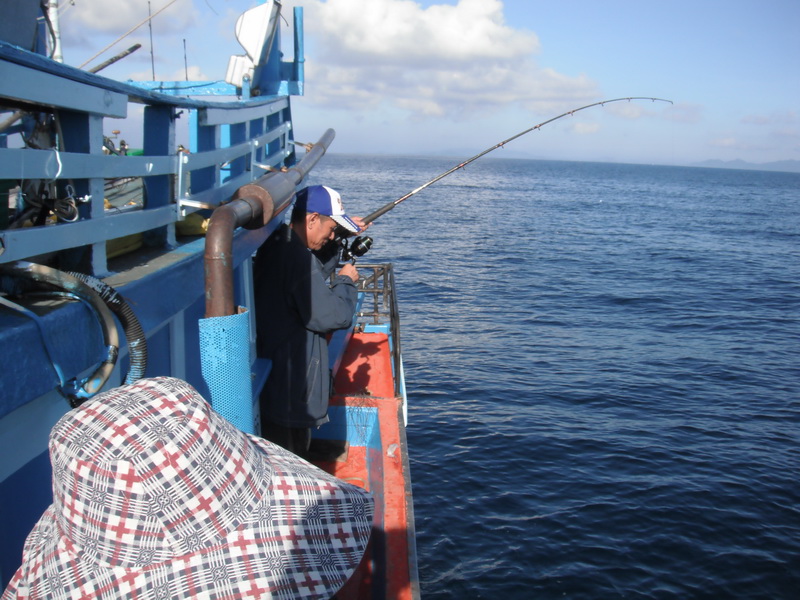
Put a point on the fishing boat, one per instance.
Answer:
(119, 264)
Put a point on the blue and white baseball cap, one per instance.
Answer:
(325, 201)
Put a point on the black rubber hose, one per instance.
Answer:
(134, 334)
(74, 390)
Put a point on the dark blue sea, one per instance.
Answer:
(603, 374)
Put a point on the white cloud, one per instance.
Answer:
(402, 32)
(192, 73)
(89, 26)
(441, 61)
(118, 16)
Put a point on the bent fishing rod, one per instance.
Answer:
(383, 210)
(360, 245)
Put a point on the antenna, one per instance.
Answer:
(150, 23)
(130, 31)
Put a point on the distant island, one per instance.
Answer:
(792, 166)
(789, 166)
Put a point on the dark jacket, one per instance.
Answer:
(295, 309)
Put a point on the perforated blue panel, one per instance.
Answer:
(225, 364)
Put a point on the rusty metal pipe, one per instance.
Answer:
(312, 157)
(252, 206)
(218, 254)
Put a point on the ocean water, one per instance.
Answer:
(603, 374)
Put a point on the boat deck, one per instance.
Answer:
(365, 444)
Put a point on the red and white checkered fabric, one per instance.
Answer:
(157, 496)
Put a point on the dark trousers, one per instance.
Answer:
(295, 439)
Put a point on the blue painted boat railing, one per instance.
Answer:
(231, 144)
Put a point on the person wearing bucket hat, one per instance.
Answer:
(297, 306)
(156, 496)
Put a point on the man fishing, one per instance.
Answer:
(297, 308)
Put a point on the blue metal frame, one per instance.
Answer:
(232, 143)
(246, 134)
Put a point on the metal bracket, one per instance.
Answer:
(183, 182)
(184, 203)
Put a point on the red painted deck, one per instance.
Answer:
(365, 379)
(366, 367)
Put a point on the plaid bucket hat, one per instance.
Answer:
(157, 496)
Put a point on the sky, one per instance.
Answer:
(454, 77)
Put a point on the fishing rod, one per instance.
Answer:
(383, 210)
(360, 245)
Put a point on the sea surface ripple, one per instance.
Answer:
(602, 369)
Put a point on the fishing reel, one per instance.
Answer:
(358, 246)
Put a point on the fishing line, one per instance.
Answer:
(381, 211)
